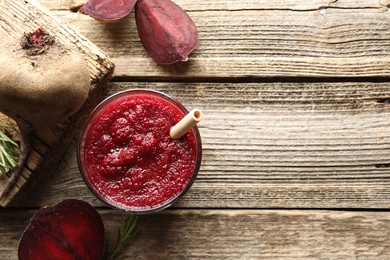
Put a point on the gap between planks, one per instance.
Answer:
(250, 79)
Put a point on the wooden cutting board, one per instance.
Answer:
(49, 144)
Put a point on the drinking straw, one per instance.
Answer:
(184, 125)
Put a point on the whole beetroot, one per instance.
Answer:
(167, 32)
(42, 82)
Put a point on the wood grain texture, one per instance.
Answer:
(268, 145)
(50, 142)
(237, 234)
(319, 38)
(232, 5)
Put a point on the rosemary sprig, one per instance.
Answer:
(9, 155)
(126, 231)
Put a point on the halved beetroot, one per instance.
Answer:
(72, 229)
(108, 10)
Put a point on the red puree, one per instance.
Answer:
(130, 157)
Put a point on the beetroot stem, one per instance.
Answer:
(36, 42)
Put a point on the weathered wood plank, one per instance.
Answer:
(289, 145)
(232, 5)
(237, 234)
(259, 39)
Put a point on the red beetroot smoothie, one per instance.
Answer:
(130, 161)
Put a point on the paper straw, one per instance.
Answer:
(184, 125)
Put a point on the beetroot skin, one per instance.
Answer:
(72, 229)
(167, 32)
(108, 10)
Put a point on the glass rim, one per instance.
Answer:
(84, 130)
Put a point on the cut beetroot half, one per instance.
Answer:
(108, 10)
(72, 229)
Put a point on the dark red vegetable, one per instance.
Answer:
(108, 10)
(167, 32)
(72, 229)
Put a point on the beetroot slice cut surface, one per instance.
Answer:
(72, 229)
(108, 10)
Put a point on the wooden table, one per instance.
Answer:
(296, 136)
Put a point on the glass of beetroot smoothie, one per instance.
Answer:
(127, 157)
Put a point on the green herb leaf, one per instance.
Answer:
(9, 155)
(126, 231)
